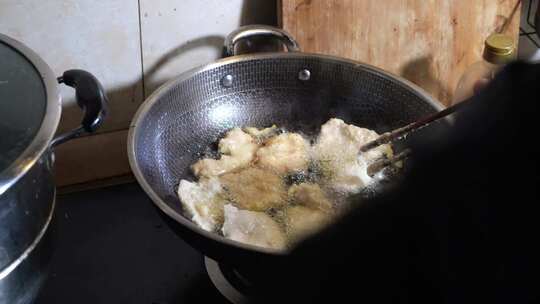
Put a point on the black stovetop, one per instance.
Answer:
(111, 246)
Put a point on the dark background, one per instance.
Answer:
(111, 246)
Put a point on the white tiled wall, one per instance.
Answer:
(180, 35)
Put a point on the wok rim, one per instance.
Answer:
(164, 88)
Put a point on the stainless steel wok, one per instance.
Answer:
(294, 90)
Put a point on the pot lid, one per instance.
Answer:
(29, 109)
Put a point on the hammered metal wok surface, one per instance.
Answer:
(193, 111)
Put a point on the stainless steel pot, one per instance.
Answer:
(30, 109)
(294, 90)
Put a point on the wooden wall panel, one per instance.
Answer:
(430, 42)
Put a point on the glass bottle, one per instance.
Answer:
(499, 50)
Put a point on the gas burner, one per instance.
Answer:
(228, 281)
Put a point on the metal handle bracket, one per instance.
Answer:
(250, 31)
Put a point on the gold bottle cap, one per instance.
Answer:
(499, 49)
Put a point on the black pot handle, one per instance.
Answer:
(91, 98)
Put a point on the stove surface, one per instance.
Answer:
(111, 246)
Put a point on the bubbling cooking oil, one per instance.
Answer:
(319, 172)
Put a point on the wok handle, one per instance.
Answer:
(91, 98)
(249, 31)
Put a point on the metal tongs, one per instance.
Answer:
(401, 132)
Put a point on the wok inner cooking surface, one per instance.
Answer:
(189, 114)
